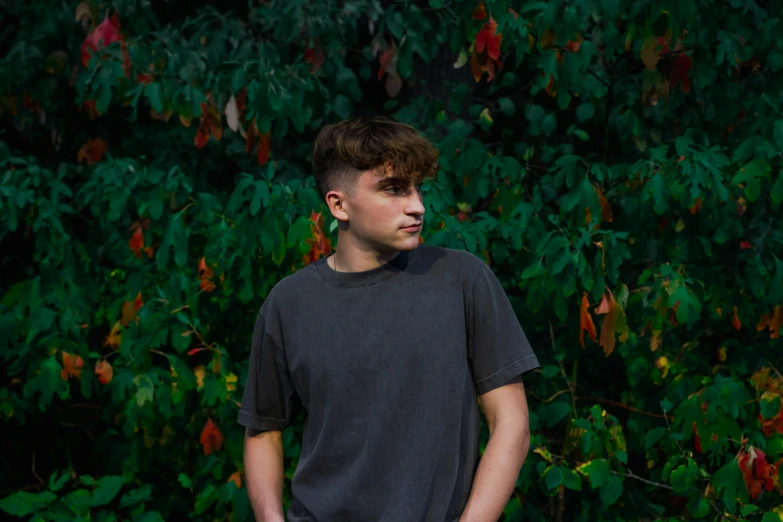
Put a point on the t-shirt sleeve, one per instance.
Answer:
(269, 402)
(498, 350)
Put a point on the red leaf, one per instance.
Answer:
(586, 322)
(680, 72)
(196, 350)
(696, 439)
(487, 37)
(104, 34)
(211, 438)
(387, 61)
(264, 144)
(735, 320)
(745, 245)
(92, 152)
(104, 372)
(479, 12)
(313, 55)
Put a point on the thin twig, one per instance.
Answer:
(621, 405)
(637, 477)
(550, 399)
(34, 473)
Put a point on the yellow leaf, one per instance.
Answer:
(544, 453)
(650, 54)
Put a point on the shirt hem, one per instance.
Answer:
(260, 423)
(499, 378)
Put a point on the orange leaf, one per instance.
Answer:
(72, 366)
(320, 244)
(211, 438)
(136, 242)
(236, 478)
(205, 274)
(609, 307)
(606, 208)
(104, 371)
(92, 152)
(655, 340)
(129, 310)
(586, 322)
(115, 337)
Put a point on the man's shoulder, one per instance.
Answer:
(450, 259)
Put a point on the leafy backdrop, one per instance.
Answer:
(616, 163)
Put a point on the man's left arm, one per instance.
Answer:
(506, 411)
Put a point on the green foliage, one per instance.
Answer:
(616, 163)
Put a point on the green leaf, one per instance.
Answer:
(750, 175)
(571, 479)
(652, 437)
(342, 106)
(549, 124)
(770, 407)
(584, 112)
(730, 484)
(554, 412)
(104, 98)
(149, 516)
(699, 506)
(597, 471)
(107, 489)
(185, 481)
(549, 370)
(185, 376)
(776, 194)
(137, 495)
(771, 516)
(553, 477)
(611, 490)
(21, 503)
(154, 94)
(748, 509)
(506, 106)
(532, 271)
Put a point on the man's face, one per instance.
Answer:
(380, 208)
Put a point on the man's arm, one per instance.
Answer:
(506, 411)
(264, 474)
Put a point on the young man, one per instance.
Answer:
(387, 344)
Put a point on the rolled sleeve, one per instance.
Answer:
(498, 349)
(269, 401)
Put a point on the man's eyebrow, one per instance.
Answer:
(389, 180)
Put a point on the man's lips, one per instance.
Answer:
(412, 228)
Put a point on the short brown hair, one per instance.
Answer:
(342, 150)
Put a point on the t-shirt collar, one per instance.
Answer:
(366, 277)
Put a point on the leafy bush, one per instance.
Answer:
(613, 162)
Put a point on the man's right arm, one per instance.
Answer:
(264, 474)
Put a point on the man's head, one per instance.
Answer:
(369, 171)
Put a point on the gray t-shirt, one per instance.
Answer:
(387, 364)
